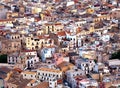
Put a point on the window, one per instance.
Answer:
(13, 59)
(37, 43)
(31, 62)
(38, 73)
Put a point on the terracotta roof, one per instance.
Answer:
(79, 78)
(42, 85)
(43, 36)
(47, 24)
(18, 70)
(78, 30)
(50, 70)
(29, 72)
(18, 80)
(37, 19)
(2, 20)
(58, 24)
(32, 81)
(62, 33)
(59, 81)
(64, 66)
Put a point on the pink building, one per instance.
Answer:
(58, 57)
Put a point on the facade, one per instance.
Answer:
(47, 52)
(31, 60)
(85, 64)
(35, 43)
(29, 75)
(47, 74)
(29, 52)
(10, 45)
(72, 73)
(58, 58)
(54, 28)
(13, 58)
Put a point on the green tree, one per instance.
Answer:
(3, 58)
(116, 55)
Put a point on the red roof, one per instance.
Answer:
(44, 36)
(3, 20)
(62, 33)
(18, 70)
(59, 81)
(37, 19)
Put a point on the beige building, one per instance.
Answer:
(102, 17)
(11, 15)
(54, 28)
(34, 43)
(10, 45)
(5, 21)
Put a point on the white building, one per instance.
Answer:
(29, 75)
(30, 52)
(33, 83)
(47, 53)
(87, 83)
(31, 60)
(53, 83)
(13, 58)
(48, 74)
(113, 62)
(80, 23)
(72, 73)
(85, 64)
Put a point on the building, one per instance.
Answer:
(58, 58)
(10, 45)
(13, 58)
(37, 42)
(47, 74)
(65, 66)
(29, 52)
(1, 83)
(31, 60)
(85, 64)
(29, 75)
(85, 83)
(54, 28)
(47, 52)
(70, 74)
